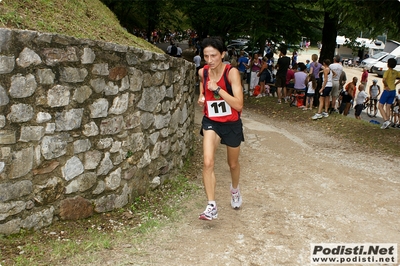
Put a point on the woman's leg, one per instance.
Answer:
(210, 144)
(234, 166)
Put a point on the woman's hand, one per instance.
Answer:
(201, 100)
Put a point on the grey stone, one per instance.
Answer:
(82, 93)
(58, 96)
(156, 182)
(132, 120)
(100, 69)
(155, 153)
(99, 108)
(7, 64)
(132, 59)
(105, 204)
(7, 137)
(104, 143)
(20, 113)
(106, 165)
(120, 104)
(69, 120)
(22, 87)
(125, 84)
(123, 198)
(11, 191)
(151, 97)
(90, 129)
(101, 186)
(42, 117)
(113, 180)
(22, 162)
(154, 137)
(53, 147)
(31, 133)
(73, 75)
(11, 227)
(116, 146)
(4, 100)
(111, 126)
(111, 89)
(170, 92)
(55, 56)
(46, 76)
(158, 78)
(88, 56)
(162, 121)
(39, 219)
(5, 39)
(50, 128)
(81, 145)
(82, 183)
(2, 165)
(72, 168)
(92, 159)
(28, 57)
(145, 160)
(135, 79)
(11, 208)
(99, 85)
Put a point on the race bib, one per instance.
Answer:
(218, 108)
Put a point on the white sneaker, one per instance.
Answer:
(210, 213)
(317, 116)
(259, 96)
(386, 124)
(325, 114)
(236, 199)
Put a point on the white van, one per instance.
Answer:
(380, 67)
(371, 61)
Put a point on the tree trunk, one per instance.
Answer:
(329, 33)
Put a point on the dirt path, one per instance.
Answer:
(298, 186)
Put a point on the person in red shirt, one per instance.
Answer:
(221, 96)
(364, 77)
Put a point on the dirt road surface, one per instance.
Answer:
(299, 187)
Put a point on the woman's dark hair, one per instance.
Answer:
(215, 42)
(302, 66)
(327, 62)
(392, 63)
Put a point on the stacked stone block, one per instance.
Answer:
(85, 126)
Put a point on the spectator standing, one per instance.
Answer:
(197, 63)
(282, 66)
(361, 99)
(374, 91)
(389, 91)
(324, 98)
(347, 97)
(248, 73)
(242, 62)
(364, 77)
(294, 58)
(396, 110)
(315, 67)
(289, 84)
(220, 83)
(311, 87)
(255, 67)
(178, 51)
(337, 68)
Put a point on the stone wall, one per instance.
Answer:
(85, 126)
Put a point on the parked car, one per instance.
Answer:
(381, 66)
(370, 62)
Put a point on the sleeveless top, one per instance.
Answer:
(215, 107)
(329, 82)
(256, 66)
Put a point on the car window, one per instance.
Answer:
(398, 60)
(378, 55)
(386, 58)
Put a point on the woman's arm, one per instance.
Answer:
(200, 101)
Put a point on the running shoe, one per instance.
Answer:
(385, 125)
(236, 199)
(325, 114)
(209, 213)
(317, 116)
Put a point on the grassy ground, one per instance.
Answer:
(89, 19)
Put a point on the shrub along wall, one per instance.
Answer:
(85, 126)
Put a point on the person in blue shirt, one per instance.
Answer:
(242, 62)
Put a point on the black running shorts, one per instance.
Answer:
(231, 133)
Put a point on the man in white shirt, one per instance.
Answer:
(336, 68)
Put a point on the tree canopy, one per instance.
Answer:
(275, 20)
